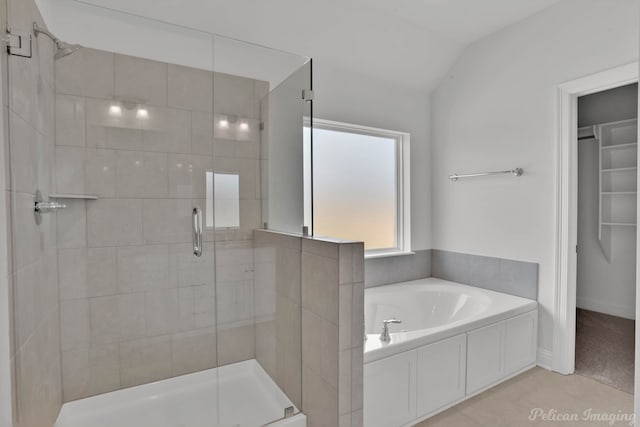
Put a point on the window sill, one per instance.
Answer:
(389, 254)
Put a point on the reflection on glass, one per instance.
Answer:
(226, 190)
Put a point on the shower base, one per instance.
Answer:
(236, 395)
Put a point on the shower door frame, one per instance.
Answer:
(562, 359)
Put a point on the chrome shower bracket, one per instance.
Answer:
(18, 42)
(40, 206)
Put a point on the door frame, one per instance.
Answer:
(563, 360)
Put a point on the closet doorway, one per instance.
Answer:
(607, 172)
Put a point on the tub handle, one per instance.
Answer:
(384, 336)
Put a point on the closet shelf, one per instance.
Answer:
(618, 142)
(619, 169)
(619, 146)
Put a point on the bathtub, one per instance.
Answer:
(237, 395)
(454, 341)
(431, 310)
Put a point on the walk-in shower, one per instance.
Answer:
(125, 138)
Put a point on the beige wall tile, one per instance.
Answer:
(320, 247)
(233, 95)
(223, 127)
(31, 89)
(167, 220)
(140, 80)
(320, 400)
(74, 323)
(24, 155)
(71, 225)
(193, 351)
(40, 390)
(187, 175)
(201, 133)
(88, 72)
(167, 130)
(140, 174)
(357, 418)
(357, 385)
(266, 349)
(293, 377)
(70, 120)
(113, 222)
(104, 129)
(28, 248)
(101, 272)
(87, 371)
(162, 312)
(145, 360)
(142, 268)
(100, 172)
(235, 344)
(345, 317)
(116, 318)
(189, 270)
(70, 170)
(357, 313)
(344, 386)
(346, 263)
(190, 88)
(320, 286)
(358, 262)
(72, 273)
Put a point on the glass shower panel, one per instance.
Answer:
(287, 110)
(127, 152)
(257, 96)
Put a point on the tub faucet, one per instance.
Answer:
(384, 336)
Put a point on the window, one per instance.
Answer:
(360, 185)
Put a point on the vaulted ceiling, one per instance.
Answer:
(411, 43)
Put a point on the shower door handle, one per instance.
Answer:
(197, 232)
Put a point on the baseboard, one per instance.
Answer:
(626, 311)
(545, 358)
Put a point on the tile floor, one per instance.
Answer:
(510, 404)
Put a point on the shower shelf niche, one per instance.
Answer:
(618, 176)
(74, 196)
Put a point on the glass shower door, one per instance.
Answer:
(259, 114)
(125, 142)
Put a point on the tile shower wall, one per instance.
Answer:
(332, 331)
(396, 269)
(29, 110)
(497, 274)
(136, 305)
(278, 309)
(310, 309)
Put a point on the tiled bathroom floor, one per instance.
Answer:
(510, 404)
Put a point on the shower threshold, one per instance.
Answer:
(237, 395)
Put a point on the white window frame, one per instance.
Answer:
(403, 180)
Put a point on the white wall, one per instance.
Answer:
(603, 286)
(496, 110)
